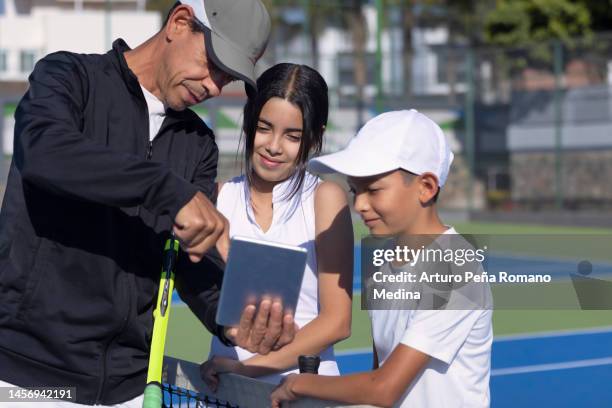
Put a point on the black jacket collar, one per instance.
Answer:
(118, 59)
(131, 80)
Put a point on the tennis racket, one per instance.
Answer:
(153, 397)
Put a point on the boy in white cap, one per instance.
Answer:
(396, 166)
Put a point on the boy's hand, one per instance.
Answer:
(210, 370)
(284, 392)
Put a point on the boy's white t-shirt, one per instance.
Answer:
(459, 343)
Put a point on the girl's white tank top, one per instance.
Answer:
(293, 223)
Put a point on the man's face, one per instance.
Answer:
(187, 76)
(387, 203)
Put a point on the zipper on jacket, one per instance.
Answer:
(150, 150)
(104, 358)
(149, 156)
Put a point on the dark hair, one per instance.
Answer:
(195, 25)
(303, 87)
(409, 177)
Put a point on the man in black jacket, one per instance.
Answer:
(107, 161)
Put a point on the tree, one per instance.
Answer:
(601, 14)
(319, 14)
(534, 23)
(161, 6)
(358, 28)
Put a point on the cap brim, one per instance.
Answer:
(230, 60)
(345, 162)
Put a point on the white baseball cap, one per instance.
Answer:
(394, 140)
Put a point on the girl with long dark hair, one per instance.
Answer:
(276, 199)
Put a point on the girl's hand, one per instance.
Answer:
(210, 370)
(284, 392)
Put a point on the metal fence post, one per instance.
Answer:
(557, 102)
(379, 27)
(470, 139)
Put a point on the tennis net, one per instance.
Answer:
(183, 387)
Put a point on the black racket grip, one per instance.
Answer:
(309, 364)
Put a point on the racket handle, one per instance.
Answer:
(309, 364)
(152, 396)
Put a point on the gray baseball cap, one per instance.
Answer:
(237, 34)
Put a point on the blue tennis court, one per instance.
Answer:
(559, 369)
(559, 269)
(562, 369)
(554, 369)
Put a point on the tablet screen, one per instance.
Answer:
(257, 269)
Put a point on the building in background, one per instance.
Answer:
(30, 29)
(335, 49)
(527, 131)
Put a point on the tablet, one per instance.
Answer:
(256, 269)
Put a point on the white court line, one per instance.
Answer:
(554, 333)
(551, 367)
(567, 365)
(351, 352)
